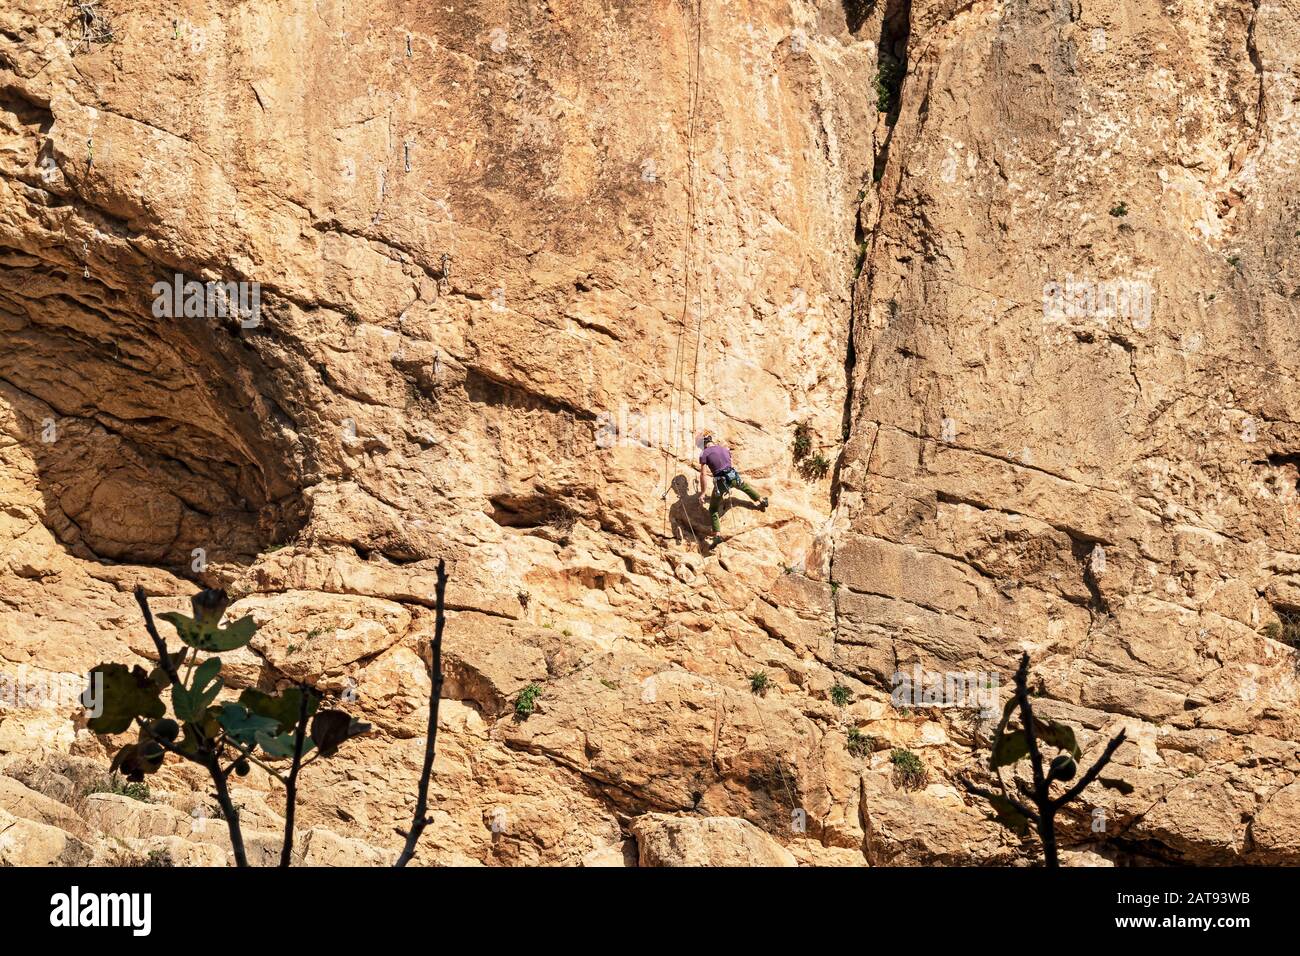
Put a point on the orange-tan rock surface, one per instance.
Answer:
(1032, 296)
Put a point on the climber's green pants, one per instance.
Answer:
(716, 501)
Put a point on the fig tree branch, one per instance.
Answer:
(421, 818)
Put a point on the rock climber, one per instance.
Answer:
(715, 460)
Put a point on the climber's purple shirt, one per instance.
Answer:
(717, 458)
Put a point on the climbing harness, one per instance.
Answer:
(724, 481)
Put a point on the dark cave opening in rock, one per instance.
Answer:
(152, 440)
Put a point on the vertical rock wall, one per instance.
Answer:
(1021, 268)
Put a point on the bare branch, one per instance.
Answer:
(421, 818)
(228, 810)
(990, 796)
(1091, 775)
(291, 783)
(1027, 721)
(164, 657)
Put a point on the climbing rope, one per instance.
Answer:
(688, 259)
(691, 257)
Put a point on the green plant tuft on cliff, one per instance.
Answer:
(114, 784)
(862, 257)
(526, 702)
(889, 78)
(561, 519)
(803, 441)
(815, 467)
(909, 772)
(1286, 628)
(860, 744)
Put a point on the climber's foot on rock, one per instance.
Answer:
(762, 505)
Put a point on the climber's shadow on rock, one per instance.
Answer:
(689, 519)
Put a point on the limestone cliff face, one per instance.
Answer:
(1037, 463)
(1022, 268)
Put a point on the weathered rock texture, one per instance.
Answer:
(509, 254)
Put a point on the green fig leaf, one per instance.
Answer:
(284, 709)
(242, 726)
(186, 629)
(282, 745)
(1008, 748)
(117, 696)
(207, 636)
(1009, 815)
(191, 702)
(1059, 736)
